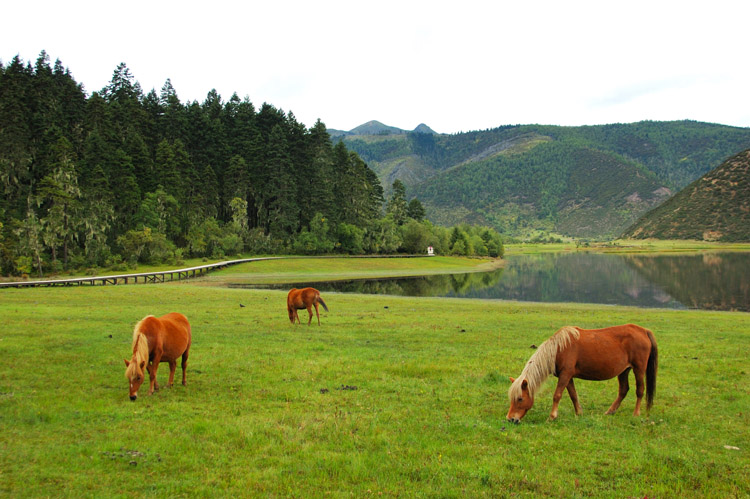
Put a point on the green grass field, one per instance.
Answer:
(391, 396)
(331, 269)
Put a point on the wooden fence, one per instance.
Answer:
(143, 277)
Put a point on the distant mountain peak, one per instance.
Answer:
(375, 127)
(422, 128)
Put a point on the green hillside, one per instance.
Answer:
(564, 188)
(715, 207)
(589, 181)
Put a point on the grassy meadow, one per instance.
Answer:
(391, 396)
(310, 269)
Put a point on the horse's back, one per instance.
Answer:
(604, 353)
(633, 336)
(301, 298)
(623, 333)
(176, 334)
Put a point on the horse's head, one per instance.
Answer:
(134, 373)
(521, 400)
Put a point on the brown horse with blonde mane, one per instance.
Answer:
(304, 298)
(591, 354)
(156, 340)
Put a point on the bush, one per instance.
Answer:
(416, 237)
(145, 246)
(314, 240)
(350, 239)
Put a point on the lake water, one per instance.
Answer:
(712, 281)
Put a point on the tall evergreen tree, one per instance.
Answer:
(415, 210)
(60, 194)
(397, 204)
(30, 246)
(282, 213)
(123, 181)
(15, 138)
(320, 174)
(173, 123)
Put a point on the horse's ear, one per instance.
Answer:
(127, 362)
(524, 385)
(512, 380)
(143, 363)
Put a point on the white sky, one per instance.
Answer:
(454, 65)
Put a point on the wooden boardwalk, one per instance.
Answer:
(144, 277)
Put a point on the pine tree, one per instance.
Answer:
(282, 213)
(397, 204)
(316, 182)
(60, 194)
(15, 138)
(415, 210)
(122, 180)
(29, 233)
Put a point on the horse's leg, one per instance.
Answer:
(574, 397)
(624, 387)
(639, 388)
(316, 312)
(152, 372)
(184, 367)
(149, 368)
(296, 316)
(309, 311)
(172, 369)
(562, 382)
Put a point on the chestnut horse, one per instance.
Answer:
(156, 340)
(591, 354)
(304, 298)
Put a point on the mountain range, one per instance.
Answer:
(585, 182)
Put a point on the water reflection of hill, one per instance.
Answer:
(712, 281)
(577, 277)
(433, 285)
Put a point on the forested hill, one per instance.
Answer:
(715, 207)
(589, 181)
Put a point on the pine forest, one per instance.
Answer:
(121, 177)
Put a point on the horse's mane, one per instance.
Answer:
(542, 363)
(140, 351)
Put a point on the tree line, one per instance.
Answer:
(122, 176)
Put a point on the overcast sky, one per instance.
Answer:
(455, 66)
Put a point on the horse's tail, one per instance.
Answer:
(320, 300)
(651, 368)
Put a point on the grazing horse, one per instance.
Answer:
(155, 340)
(304, 298)
(592, 354)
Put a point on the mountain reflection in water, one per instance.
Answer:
(712, 281)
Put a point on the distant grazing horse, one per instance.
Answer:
(155, 340)
(304, 298)
(592, 354)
